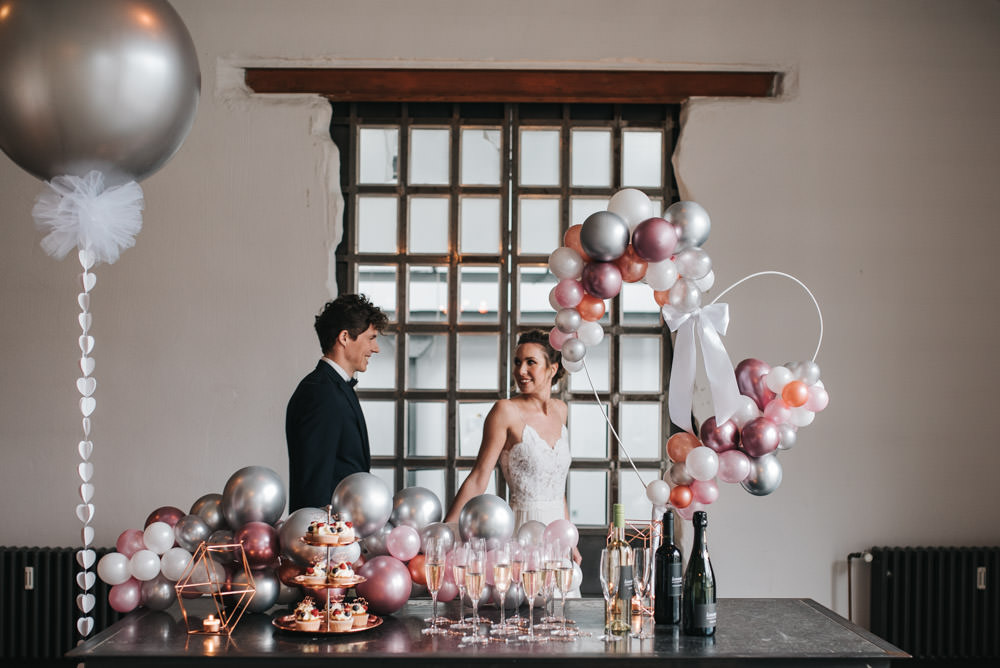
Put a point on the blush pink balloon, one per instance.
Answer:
(557, 337)
(734, 466)
(563, 531)
(704, 491)
(778, 411)
(688, 511)
(125, 597)
(654, 239)
(130, 542)
(750, 374)
(448, 591)
(760, 437)
(403, 542)
(568, 292)
(388, 584)
(261, 544)
(818, 399)
(602, 279)
(720, 437)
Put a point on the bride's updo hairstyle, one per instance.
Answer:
(541, 337)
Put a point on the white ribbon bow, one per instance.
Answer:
(711, 321)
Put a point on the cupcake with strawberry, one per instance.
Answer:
(359, 610)
(322, 533)
(341, 574)
(341, 618)
(344, 531)
(314, 575)
(306, 616)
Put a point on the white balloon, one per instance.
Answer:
(747, 411)
(706, 282)
(158, 537)
(661, 275)
(702, 463)
(173, 563)
(577, 577)
(564, 262)
(572, 367)
(778, 377)
(693, 263)
(658, 492)
(632, 205)
(113, 568)
(144, 565)
(802, 417)
(591, 333)
(685, 296)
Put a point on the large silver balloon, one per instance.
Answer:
(486, 516)
(374, 544)
(288, 594)
(765, 475)
(604, 236)
(691, 222)
(158, 593)
(209, 508)
(190, 531)
(222, 537)
(530, 533)
(291, 533)
(511, 600)
(438, 530)
(365, 499)
(253, 494)
(415, 507)
(266, 586)
(110, 85)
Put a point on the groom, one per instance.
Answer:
(324, 427)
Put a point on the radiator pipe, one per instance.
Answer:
(867, 558)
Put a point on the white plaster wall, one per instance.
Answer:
(872, 179)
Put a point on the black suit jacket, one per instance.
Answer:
(326, 435)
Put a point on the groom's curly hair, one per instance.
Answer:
(541, 337)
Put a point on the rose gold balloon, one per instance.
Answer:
(631, 266)
(572, 240)
(591, 308)
(795, 393)
(416, 568)
(680, 444)
(662, 297)
(680, 496)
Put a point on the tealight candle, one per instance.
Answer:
(211, 624)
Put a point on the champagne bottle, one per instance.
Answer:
(669, 576)
(699, 584)
(621, 606)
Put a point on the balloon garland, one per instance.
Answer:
(757, 409)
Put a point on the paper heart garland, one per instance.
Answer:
(89, 280)
(85, 320)
(87, 493)
(86, 448)
(86, 385)
(86, 344)
(85, 580)
(86, 470)
(86, 258)
(87, 536)
(86, 427)
(86, 558)
(87, 405)
(83, 299)
(85, 625)
(85, 511)
(87, 365)
(85, 602)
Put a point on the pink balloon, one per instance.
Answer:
(448, 591)
(778, 411)
(818, 399)
(704, 491)
(125, 597)
(654, 239)
(261, 544)
(750, 374)
(734, 466)
(403, 542)
(568, 292)
(563, 531)
(388, 584)
(720, 437)
(687, 512)
(130, 542)
(557, 337)
(169, 514)
(602, 279)
(760, 437)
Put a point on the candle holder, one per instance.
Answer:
(205, 577)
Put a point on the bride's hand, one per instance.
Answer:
(577, 557)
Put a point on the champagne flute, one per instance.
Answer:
(531, 577)
(564, 581)
(550, 561)
(641, 567)
(610, 572)
(501, 582)
(459, 558)
(434, 572)
(475, 569)
(516, 566)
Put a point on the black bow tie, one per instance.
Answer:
(352, 382)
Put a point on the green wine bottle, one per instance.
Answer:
(699, 584)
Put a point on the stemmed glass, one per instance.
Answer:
(641, 568)
(516, 566)
(531, 577)
(610, 572)
(434, 566)
(459, 557)
(475, 570)
(564, 582)
(501, 582)
(550, 564)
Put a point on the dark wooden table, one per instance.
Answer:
(752, 632)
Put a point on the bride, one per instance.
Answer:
(527, 435)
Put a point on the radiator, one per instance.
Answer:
(937, 602)
(40, 622)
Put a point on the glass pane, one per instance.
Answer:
(588, 430)
(581, 207)
(380, 416)
(381, 373)
(539, 165)
(376, 224)
(481, 156)
(632, 492)
(462, 474)
(378, 155)
(538, 225)
(478, 361)
(471, 417)
(638, 305)
(386, 475)
(640, 359)
(428, 231)
(378, 283)
(426, 361)
(639, 430)
(427, 297)
(587, 497)
(642, 158)
(534, 285)
(432, 479)
(426, 432)
(478, 294)
(598, 362)
(590, 151)
(429, 155)
(480, 224)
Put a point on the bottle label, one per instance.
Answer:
(703, 615)
(676, 579)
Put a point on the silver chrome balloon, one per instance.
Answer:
(438, 530)
(530, 533)
(209, 508)
(190, 531)
(691, 222)
(415, 507)
(486, 516)
(574, 350)
(765, 475)
(222, 537)
(253, 494)
(374, 545)
(604, 236)
(158, 593)
(266, 589)
(568, 320)
(366, 499)
(111, 85)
